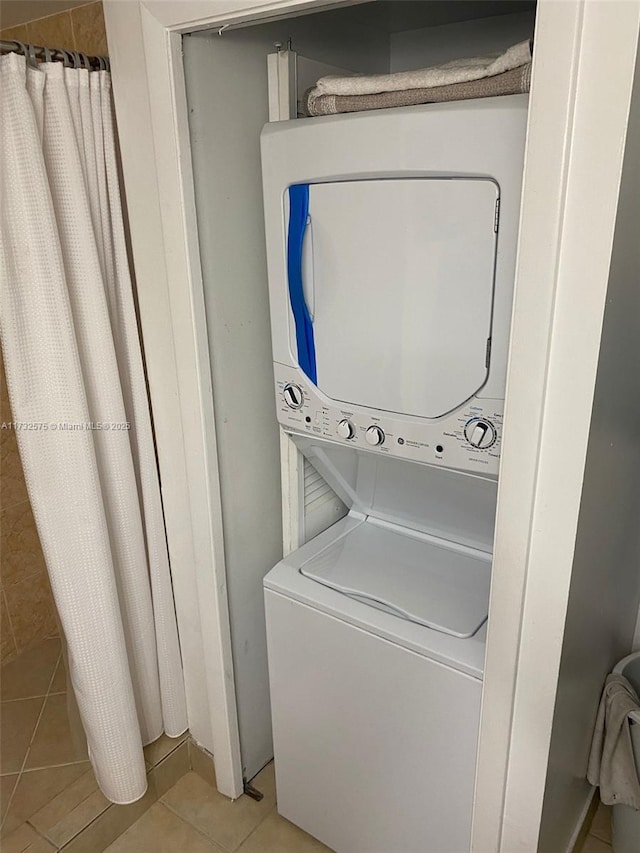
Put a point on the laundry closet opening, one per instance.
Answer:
(238, 79)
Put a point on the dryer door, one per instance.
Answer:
(397, 279)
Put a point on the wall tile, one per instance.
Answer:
(5, 408)
(14, 33)
(59, 683)
(202, 763)
(52, 31)
(31, 675)
(28, 609)
(27, 613)
(89, 30)
(31, 610)
(19, 721)
(8, 648)
(20, 552)
(55, 741)
(158, 749)
(12, 486)
(22, 11)
(13, 489)
(171, 769)
(7, 786)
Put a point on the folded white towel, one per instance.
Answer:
(457, 71)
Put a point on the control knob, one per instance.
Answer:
(375, 436)
(293, 396)
(346, 429)
(480, 433)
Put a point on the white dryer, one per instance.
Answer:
(391, 241)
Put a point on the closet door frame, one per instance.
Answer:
(151, 109)
(556, 338)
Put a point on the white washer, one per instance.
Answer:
(376, 636)
(391, 243)
(375, 718)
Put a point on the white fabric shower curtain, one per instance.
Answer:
(75, 375)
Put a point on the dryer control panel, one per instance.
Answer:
(467, 439)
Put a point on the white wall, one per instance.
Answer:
(226, 79)
(225, 149)
(432, 45)
(605, 584)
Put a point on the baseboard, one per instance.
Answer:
(202, 762)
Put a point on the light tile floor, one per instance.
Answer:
(40, 755)
(51, 801)
(193, 816)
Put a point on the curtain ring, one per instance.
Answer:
(68, 58)
(32, 59)
(86, 61)
(77, 62)
(24, 50)
(48, 54)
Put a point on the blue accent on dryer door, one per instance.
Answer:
(298, 216)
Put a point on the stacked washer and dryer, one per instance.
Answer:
(391, 245)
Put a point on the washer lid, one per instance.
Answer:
(398, 279)
(431, 582)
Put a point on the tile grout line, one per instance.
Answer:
(116, 805)
(33, 734)
(13, 636)
(107, 809)
(24, 500)
(57, 766)
(601, 840)
(24, 580)
(239, 847)
(82, 829)
(48, 692)
(212, 840)
(73, 29)
(30, 698)
(200, 832)
(10, 800)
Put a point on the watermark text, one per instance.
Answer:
(65, 426)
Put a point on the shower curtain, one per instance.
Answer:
(77, 389)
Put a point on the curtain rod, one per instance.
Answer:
(71, 58)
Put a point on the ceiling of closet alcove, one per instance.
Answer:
(412, 14)
(395, 16)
